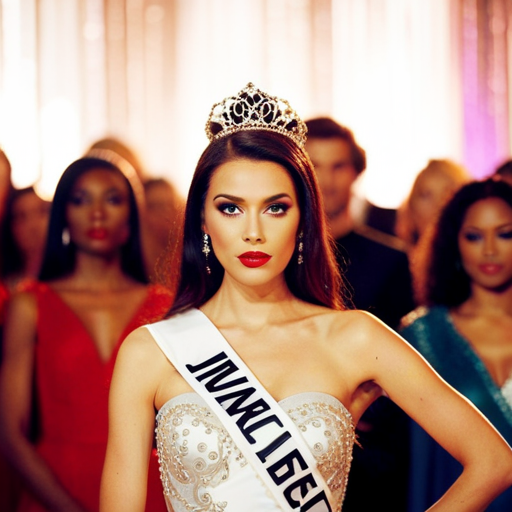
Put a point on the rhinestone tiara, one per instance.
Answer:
(253, 109)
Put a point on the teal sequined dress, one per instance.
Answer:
(432, 332)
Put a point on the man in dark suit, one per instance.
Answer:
(377, 275)
(372, 262)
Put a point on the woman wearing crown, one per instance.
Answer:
(260, 373)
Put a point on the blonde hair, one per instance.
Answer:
(456, 174)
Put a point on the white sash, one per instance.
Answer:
(266, 435)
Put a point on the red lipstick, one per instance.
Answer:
(254, 259)
(97, 233)
(490, 268)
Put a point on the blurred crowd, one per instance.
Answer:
(77, 274)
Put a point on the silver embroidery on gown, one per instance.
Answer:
(202, 470)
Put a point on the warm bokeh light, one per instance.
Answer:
(405, 75)
(18, 93)
(60, 140)
(396, 75)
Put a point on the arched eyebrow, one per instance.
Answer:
(114, 189)
(506, 225)
(236, 199)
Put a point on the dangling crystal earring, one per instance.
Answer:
(206, 250)
(66, 238)
(300, 248)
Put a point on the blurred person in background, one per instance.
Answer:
(5, 187)
(383, 289)
(504, 172)
(5, 181)
(464, 328)
(123, 150)
(10, 486)
(432, 188)
(378, 277)
(23, 236)
(62, 335)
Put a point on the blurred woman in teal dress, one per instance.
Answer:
(464, 328)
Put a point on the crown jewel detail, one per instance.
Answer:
(253, 109)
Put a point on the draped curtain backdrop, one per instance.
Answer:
(414, 79)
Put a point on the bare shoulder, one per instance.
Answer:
(355, 327)
(342, 326)
(140, 364)
(140, 346)
(141, 360)
(21, 318)
(20, 326)
(22, 303)
(140, 352)
(360, 335)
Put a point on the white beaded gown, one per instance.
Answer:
(202, 469)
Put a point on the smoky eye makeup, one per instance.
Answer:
(506, 234)
(116, 198)
(278, 208)
(228, 209)
(77, 198)
(471, 236)
(230, 205)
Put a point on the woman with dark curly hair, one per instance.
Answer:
(464, 328)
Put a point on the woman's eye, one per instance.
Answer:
(277, 209)
(115, 200)
(229, 209)
(77, 199)
(472, 237)
(507, 235)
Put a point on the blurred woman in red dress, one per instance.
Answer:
(62, 335)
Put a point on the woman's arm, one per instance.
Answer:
(16, 382)
(443, 412)
(131, 424)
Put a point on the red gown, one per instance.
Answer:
(72, 385)
(10, 486)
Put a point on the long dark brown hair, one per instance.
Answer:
(317, 280)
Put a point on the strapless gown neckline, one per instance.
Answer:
(319, 395)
